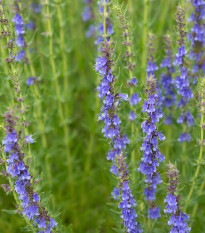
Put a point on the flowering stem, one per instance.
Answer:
(133, 153)
(36, 95)
(97, 102)
(198, 162)
(144, 40)
(14, 194)
(184, 156)
(3, 53)
(168, 143)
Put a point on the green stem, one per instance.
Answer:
(6, 69)
(63, 48)
(198, 163)
(97, 102)
(168, 144)
(133, 129)
(91, 141)
(162, 19)
(197, 204)
(36, 96)
(60, 107)
(131, 10)
(184, 155)
(92, 138)
(144, 41)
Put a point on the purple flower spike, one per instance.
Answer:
(178, 219)
(152, 156)
(118, 139)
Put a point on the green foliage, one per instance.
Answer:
(69, 155)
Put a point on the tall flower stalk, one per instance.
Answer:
(130, 66)
(117, 138)
(152, 155)
(178, 219)
(183, 85)
(105, 29)
(15, 154)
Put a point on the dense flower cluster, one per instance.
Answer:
(19, 32)
(152, 155)
(21, 177)
(197, 36)
(182, 81)
(104, 29)
(118, 139)
(167, 94)
(178, 218)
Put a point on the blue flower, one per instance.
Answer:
(29, 81)
(123, 96)
(116, 192)
(90, 31)
(30, 25)
(17, 19)
(118, 140)
(29, 138)
(87, 13)
(166, 62)
(152, 156)
(100, 65)
(179, 56)
(42, 223)
(20, 41)
(171, 206)
(21, 54)
(36, 197)
(151, 67)
(177, 219)
(154, 212)
(18, 170)
(132, 81)
(19, 30)
(132, 115)
(184, 137)
(134, 99)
